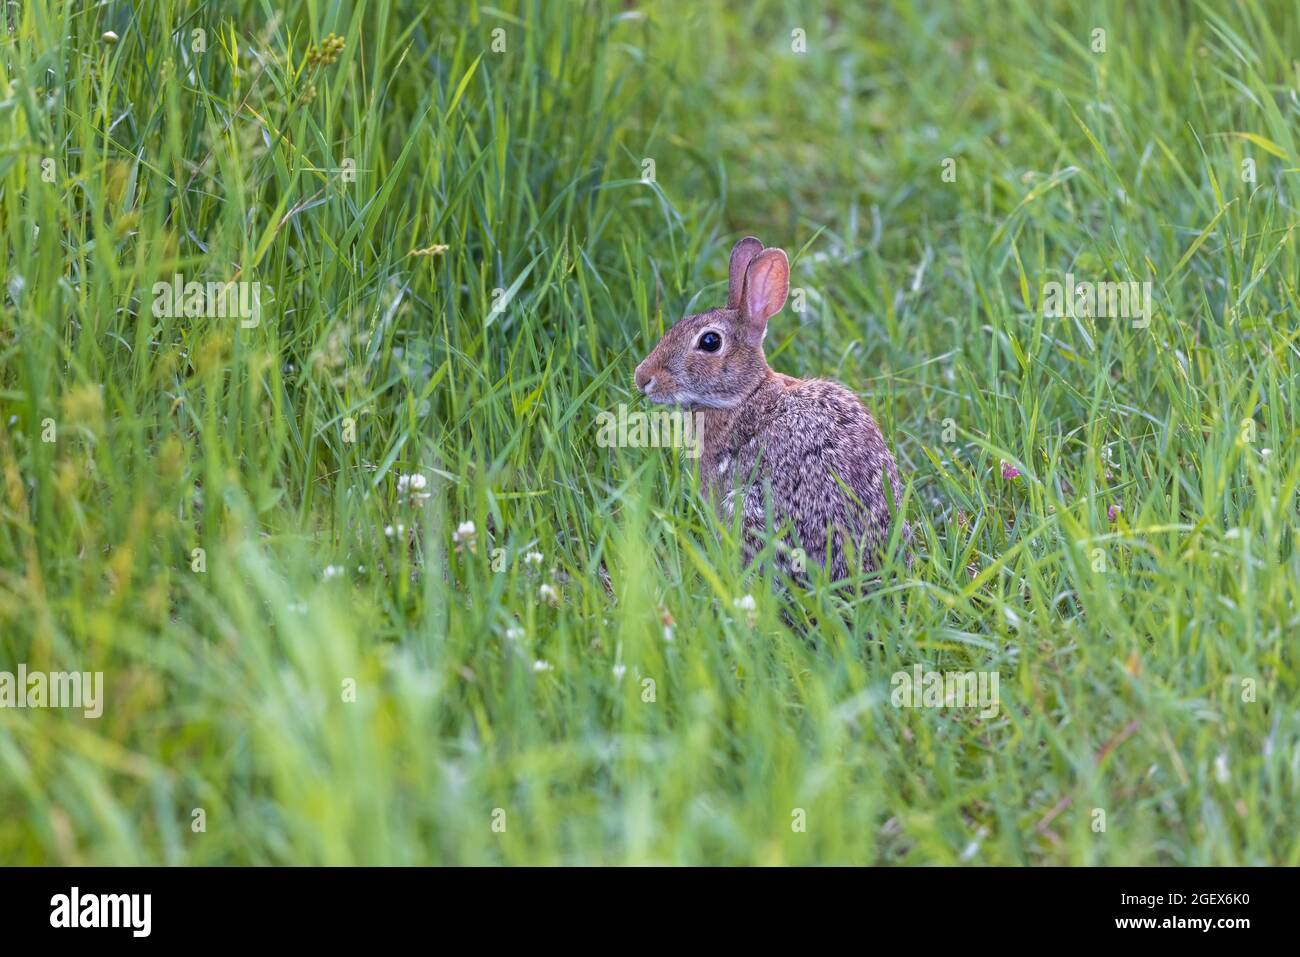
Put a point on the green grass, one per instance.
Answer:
(1122, 645)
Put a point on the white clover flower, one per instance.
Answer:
(533, 558)
(414, 482)
(466, 536)
(414, 486)
(515, 633)
(539, 666)
(333, 571)
(745, 603)
(391, 530)
(547, 593)
(1265, 453)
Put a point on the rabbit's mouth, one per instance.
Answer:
(668, 396)
(664, 389)
(686, 399)
(654, 390)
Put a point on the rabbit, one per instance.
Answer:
(807, 452)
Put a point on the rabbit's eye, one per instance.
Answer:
(710, 342)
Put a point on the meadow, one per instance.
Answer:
(363, 585)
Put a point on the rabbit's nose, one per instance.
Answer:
(644, 380)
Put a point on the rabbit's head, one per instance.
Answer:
(715, 359)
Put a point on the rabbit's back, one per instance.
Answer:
(814, 447)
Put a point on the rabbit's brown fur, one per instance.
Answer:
(807, 452)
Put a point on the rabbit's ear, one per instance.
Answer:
(766, 283)
(742, 254)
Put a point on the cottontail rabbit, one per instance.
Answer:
(808, 451)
